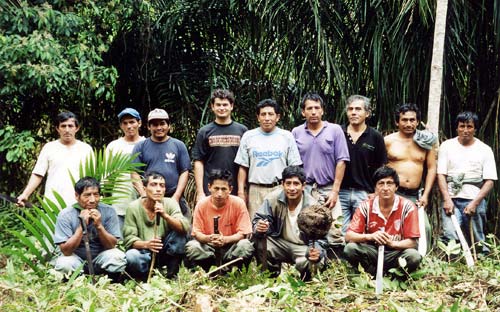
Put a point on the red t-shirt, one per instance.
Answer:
(234, 217)
(401, 224)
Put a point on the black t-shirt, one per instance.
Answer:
(216, 145)
(367, 155)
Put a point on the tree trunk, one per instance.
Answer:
(436, 82)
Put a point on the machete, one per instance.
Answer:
(13, 200)
(87, 248)
(422, 241)
(262, 250)
(380, 269)
(218, 251)
(463, 242)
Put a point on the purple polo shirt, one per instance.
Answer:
(321, 153)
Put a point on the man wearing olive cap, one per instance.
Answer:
(165, 155)
(130, 123)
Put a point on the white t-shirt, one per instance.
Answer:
(124, 147)
(57, 160)
(267, 154)
(475, 161)
(291, 231)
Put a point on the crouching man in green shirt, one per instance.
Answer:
(139, 235)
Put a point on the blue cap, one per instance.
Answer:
(129, 111)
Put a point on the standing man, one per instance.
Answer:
(386, 219)
(367, 153)
(409, 156)
(57, 159)
(233, 225)
(165, 155)
(411, 153)
(466, 171)
(263, 154)
(277, 218)
(138, 231)
(323, 150)
(217, 143)
(102, 230)
(130, 123)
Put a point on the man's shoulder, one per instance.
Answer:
(82, 144)
(237, 200)
(391, 136)
(283, 133)
(277, 194)
(333, 126)
(251, 134)
(105, 208)
(238, 125)
(68, 213)
(374, 132)
(299, 129)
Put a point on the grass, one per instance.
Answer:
(438, 286)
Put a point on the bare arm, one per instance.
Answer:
(107, 240)
(181, 185)
(218, 240)
(431, 164)
(443, 188)
(154, 245)
(339, 175)
(198, 170)
(485, 189)
(380, 238)
(242, 181)
(69, 246)
(172, 222)
(136, 180)
(33, 183)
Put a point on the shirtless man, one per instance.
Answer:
(408, 158)
(410, 152)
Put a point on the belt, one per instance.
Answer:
(266, 185)
(407, 191)
(314, 184)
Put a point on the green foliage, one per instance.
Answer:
(17, 146)
(446, 287)
(112, 170)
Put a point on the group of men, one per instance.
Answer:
(253, 184)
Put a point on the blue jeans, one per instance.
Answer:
(350, 198)
(109, 260)
(478, 222)
(139, 260)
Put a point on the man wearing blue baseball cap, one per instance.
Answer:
(130, 123)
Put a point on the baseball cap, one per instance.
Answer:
(157, 113)
(129, 111)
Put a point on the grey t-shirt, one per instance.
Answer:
(68, 221)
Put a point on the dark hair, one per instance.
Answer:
(293, 171)
(63, 116)
(151, 174)
(220, 174)
(385, 172)
(312, 97)
(86, 182)
(222, 94)
(467, 116)
(364, 99)
(268, 102)
(406, 107)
